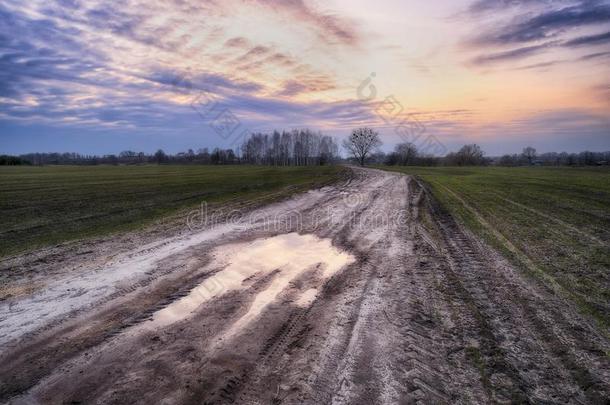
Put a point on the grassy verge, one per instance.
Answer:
(41, 206)
(552, 222)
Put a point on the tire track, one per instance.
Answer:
(426, 314)
(518, 326)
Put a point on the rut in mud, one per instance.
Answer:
(358, 293)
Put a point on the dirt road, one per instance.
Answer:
(365, 292)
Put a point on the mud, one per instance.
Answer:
(363, 292)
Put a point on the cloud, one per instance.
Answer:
(260, 61)
(72, 63)
(113, 19)
(280, 59)
(508, 31)
(202, 81)
(513, 54)
(547, 24)
(331, 27)
(589, 40)
(541, 65)
(596, 55)
(307, 85)
(551, 130)
(26, 61)
(485, 6)
(237, 42)
(56, 87)
(255, 52)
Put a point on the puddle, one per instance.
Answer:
(289, 256)
(307, 298)
(80, 289)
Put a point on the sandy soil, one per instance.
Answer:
(364, 292)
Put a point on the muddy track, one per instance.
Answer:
(361, 292)
(539, 346)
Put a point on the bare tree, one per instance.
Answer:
(361, 143)
(298, 147)
(529, 154)
(160, 156)
(509, 160)
(406, 153)
(468, 155)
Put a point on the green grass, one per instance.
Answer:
(552, 222)
(41, 206)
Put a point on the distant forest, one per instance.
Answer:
(306, 148)
(406, 154)
(294, 148)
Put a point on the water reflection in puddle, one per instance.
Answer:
(289, 255)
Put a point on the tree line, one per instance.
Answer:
(406, 154)
(203, 156)
(530, 157)
(363, 146)
(294, 148)
(288, 148)
(7, 160)
(304, 147)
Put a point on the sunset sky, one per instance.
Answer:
(102, 77)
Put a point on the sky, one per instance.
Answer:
(100, 77)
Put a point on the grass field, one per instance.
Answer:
(47, 205)
(552, 222)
